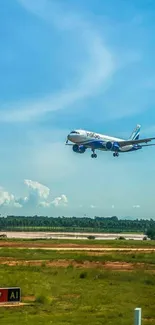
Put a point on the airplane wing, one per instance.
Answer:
(148, 145)
(129, 142)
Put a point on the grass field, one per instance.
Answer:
(68, 287)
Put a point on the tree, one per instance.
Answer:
(151, 233)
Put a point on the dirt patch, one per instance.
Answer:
(39, 245)
(121, 266)
(69, 296)
(73, 247)
(149, 319)
(28, 298)
(19, 304)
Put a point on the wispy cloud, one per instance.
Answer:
(95, 71)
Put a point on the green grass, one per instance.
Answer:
(105, 243)
(65, 296)
(74, 296)
(39, 254)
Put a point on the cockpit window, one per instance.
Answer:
(74, 132)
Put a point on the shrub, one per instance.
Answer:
(83, 275)
(41, 299)
(151, 233)
(91, 237)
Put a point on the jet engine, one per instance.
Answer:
(79, 149)
(112, 146)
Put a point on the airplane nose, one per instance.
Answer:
(68, 138)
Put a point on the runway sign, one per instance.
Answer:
(11, 294)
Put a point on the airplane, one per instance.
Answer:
(82, 140)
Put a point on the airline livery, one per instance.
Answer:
(82, 140)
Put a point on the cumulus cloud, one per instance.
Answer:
(37, 190)
(61, 200)
(7, 199)
(38, 196)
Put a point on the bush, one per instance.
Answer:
(91, 237)
(83, 275)
(42, 299)
(3, 236)
(151, 233)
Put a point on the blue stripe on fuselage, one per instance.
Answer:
(96, 144)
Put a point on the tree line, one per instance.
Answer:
(96, 224)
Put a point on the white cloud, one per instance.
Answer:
(61, 200)
(38, 196)
(92, 206)
(95, 72)
(44, 204)
(136, 206)
(37, 189)
(7, 199)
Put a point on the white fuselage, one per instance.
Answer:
(85, 137)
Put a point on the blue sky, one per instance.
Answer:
(75, 64)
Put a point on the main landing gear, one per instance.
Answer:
(94, 155)
(115, 154)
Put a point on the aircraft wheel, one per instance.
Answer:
(115, 154)
(94, 155)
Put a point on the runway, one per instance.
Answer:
(71, 235)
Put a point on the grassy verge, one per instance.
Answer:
(39, 254)
(73, 296)
(70, 295)
(102, 243)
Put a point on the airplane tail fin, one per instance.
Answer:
(135, 133)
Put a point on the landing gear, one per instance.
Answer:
(94, 155)
(115, 154)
